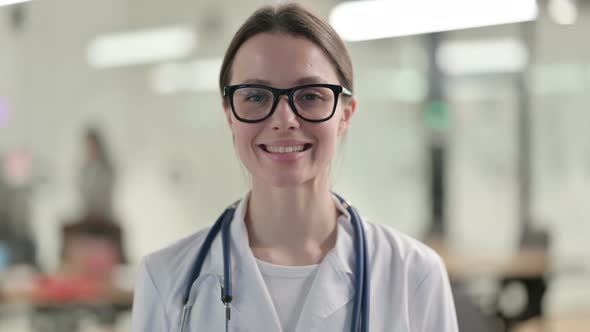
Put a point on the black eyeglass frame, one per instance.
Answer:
(228, 91)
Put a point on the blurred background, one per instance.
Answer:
(472, 134)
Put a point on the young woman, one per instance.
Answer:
(301, 258)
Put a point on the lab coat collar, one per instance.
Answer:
(330, 291)
(333, 287)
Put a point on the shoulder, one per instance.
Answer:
(176, 253)
(404, 247)
(401, 253)
(417, 275)
(161, 284)
(168, 268)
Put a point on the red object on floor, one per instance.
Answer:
(65, 289)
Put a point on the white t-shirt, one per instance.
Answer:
(288, 287)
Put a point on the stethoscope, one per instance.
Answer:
(360, 308)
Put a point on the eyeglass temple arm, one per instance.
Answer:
(346, 92)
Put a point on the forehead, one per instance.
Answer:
(282, 61)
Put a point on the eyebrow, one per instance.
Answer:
(303, 80)
(310, 80)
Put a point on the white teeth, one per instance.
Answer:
(284, 149)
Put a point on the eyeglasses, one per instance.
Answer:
(253, 103)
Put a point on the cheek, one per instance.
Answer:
(328, 139)
(243, 139)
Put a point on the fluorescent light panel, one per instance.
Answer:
(196, 76)
(141, 47)
(375, 19)
(563, 12)
(482, 57)
(11, 2)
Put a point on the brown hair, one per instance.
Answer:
(291, 19)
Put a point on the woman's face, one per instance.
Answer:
(283, 61)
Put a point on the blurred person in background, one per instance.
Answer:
(16, 187)
(18, 251)
(84, 284)
(97, 176)
(294, 244)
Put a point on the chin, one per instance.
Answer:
(286, 181)
(288, 178)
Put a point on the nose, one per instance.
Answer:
(284, 117)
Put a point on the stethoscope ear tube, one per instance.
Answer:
(221, 223)
(365, 271)
(359, 319)
(226, 290)
(360, 308)
(196, 270)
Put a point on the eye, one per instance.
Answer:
(311, 97)
(256, 98)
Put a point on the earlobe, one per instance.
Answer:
(347, 112)
(351, 108)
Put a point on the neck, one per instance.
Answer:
(291, 226)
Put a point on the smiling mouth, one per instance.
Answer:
(285, 149)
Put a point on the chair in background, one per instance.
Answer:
(520, 297)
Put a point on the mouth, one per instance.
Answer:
(285, 149)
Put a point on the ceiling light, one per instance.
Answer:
(141, 47)
(482, 57)
(563, 11)
(375, 19)
(196, 76)
(11, 2)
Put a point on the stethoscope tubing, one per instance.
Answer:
(360, 314)
(360, 321)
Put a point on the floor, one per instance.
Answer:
(17, 319)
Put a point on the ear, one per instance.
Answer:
(348, 109)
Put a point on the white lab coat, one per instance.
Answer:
(410, 290)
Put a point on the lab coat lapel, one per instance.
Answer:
(252, 302)
(333, 287)
(253, 309)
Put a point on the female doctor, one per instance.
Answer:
(296, 258)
